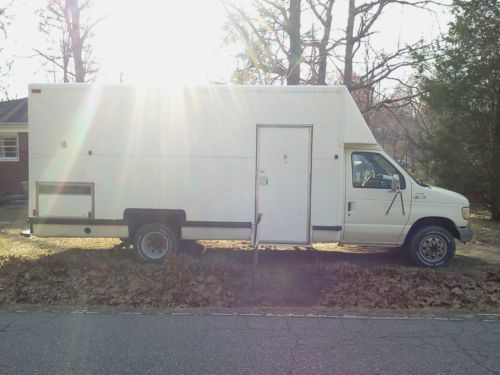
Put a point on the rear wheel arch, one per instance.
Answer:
(136, 218)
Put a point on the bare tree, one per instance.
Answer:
(320, 46)
(362, 18)
(6, 63)
(69, 26)
(271, 39)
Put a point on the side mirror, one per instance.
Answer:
(395, 182)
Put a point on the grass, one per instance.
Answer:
(13, 215)
(92, 272)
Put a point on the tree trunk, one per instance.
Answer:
(76, 41)
(322, 50)
(66, 55)
(321, 66)
(295, 53)
(495, 183)
(65, 69)
(349, 45)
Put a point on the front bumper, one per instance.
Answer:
(464, 234)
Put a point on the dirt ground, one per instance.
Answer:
(94, 272)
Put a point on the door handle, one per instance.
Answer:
(349, 206)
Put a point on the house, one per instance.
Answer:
(13, 146)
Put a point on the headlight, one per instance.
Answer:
(466, 212)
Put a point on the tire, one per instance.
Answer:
(432, 247)
(155, 242)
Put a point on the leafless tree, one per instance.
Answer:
(265, 38)
(320, 47)
(6, 62)
(361, 25)
(271, 40)
(68, 26)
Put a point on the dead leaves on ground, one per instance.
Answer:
(183, 281)
(409, 288)
(81, 278)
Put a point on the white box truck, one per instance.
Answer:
(156, 165)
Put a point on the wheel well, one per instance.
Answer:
(435, 221)
(137, 217)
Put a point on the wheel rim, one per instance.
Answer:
(433, 248)
(155, 245)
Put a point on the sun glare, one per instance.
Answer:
(161, 42)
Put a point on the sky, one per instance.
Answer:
(174, 41)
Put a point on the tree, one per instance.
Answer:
(462, 97)
(69, 25)
(6, 63)
(362, 17)
(320, 47)
(267, 35)
(271, 40)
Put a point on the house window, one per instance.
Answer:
(9, 147)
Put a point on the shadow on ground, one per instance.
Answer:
(241, 253)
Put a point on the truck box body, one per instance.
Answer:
(195, 150)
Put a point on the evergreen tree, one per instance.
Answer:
(462, 98)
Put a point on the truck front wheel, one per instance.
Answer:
(432, 247)
(154, 242)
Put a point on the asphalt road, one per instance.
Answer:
(117, 343)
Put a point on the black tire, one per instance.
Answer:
(155, 242)
(432, 247)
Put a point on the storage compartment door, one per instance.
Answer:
(65, 199)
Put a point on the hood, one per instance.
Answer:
(434, 194)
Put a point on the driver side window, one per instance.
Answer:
(371, 170)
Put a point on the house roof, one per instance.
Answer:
(14, 111)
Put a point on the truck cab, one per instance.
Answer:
(386, 206)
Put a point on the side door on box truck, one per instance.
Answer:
(374, 214)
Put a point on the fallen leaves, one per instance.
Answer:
(409, 288)
(103, 278)
(58, 279)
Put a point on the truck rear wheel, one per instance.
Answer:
(432, 247)
(154, 242)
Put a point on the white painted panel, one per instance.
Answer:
(372, 231)
(327, 190)
(283, 183)
(64, 205)
(208, 189)
(198, 233)
(72, 230)
(325, 236)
